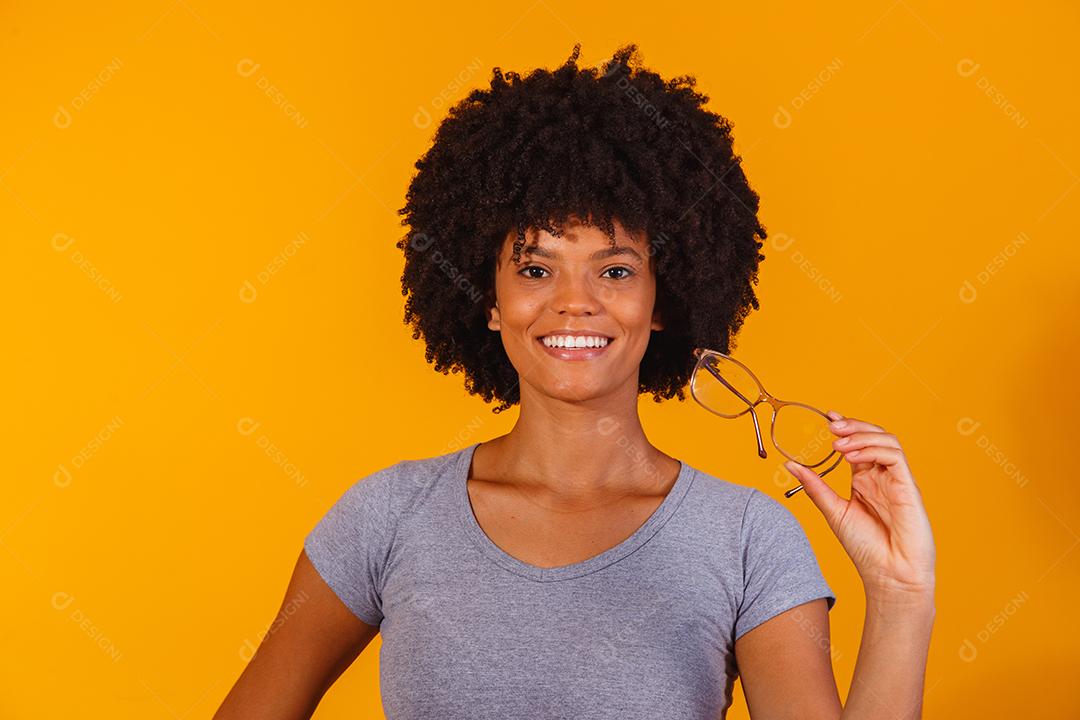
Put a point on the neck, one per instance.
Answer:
(580, 451)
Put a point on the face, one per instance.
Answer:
(574, 286)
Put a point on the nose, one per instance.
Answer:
(575, 296)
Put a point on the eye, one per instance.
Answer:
(620, 267)
(527, 268)
(627, 272)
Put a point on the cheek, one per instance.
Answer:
(519, 312)
(632, 306)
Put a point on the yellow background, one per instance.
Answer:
(203, 333)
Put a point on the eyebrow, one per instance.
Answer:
(598, 255)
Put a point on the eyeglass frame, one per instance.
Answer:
(702, 354)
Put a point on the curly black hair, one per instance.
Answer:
(597, 145)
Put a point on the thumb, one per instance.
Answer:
(824, 497)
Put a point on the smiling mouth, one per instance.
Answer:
(572, 352)
(604, 338)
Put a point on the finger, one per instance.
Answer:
(824, 497)
(847, 425)
(877, 454)
(863, 439)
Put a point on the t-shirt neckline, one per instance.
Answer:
(564, 572)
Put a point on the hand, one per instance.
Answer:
(883, 527)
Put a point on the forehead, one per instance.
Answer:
(606, 251)
(578, 239)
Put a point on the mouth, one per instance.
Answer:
(567, 347)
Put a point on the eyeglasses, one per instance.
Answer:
(726, 387)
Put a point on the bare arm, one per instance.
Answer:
(885, 530)
(787, 672)
(312, 640)
(786, 667)
(891, 667)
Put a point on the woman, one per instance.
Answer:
(574, 235)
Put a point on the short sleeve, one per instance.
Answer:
(350, 544)
(780, 570)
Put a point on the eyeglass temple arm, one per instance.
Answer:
(757, 433)
(757, 427)
(797, 488)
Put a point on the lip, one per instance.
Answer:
(576, 333)
(585, 353)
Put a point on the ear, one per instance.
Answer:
(657, 322)
(494, 317)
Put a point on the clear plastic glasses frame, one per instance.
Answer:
(703, 355)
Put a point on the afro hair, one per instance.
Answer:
(617, 143)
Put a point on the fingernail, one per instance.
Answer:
(790, 467)
(838, 424)
(841, 442)
(834, 415)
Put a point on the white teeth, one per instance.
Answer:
(574, 341)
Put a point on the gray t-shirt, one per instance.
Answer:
(644, 630)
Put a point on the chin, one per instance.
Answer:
(569, 391)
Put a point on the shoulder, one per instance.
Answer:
(399, 487)
(718, 496)
(766, 515)
(750, 510)
(372, 507)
